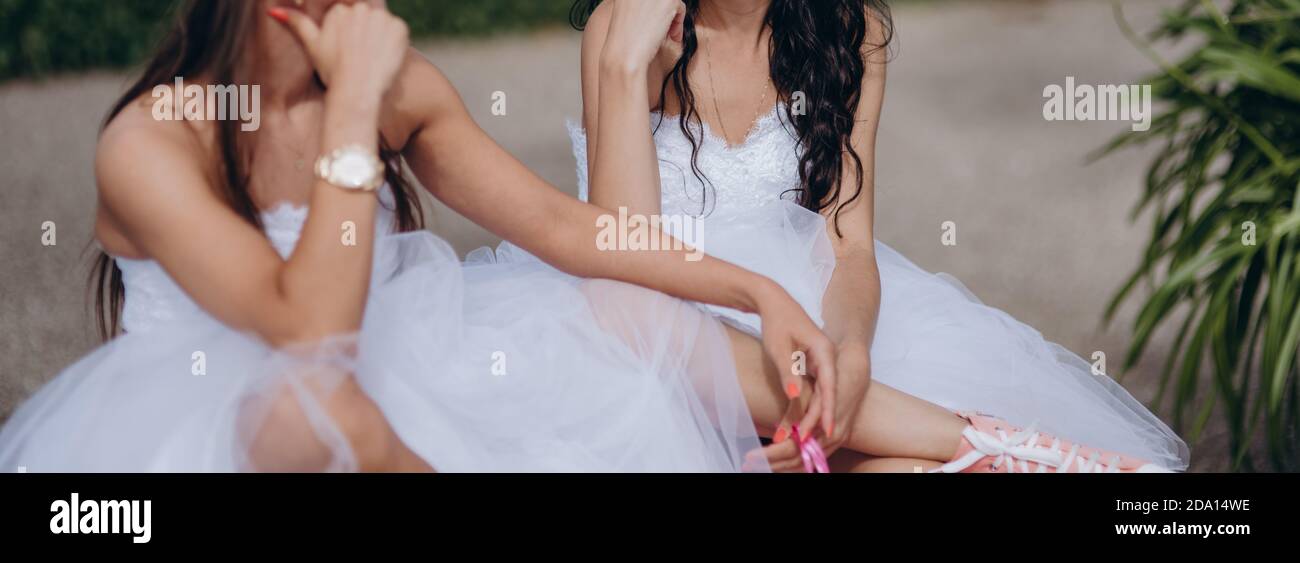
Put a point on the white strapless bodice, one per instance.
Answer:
(153, 297)
(738, 179)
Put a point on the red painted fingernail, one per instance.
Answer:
(830, 429)
(279, 14)
(780, 436)
(792, 390)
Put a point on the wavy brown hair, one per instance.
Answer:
(819, 48)
(206, 38)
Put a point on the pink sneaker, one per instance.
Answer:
(991, 445)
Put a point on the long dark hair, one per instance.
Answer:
(819, 48)
(206, 39)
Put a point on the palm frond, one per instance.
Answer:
(1224, 195)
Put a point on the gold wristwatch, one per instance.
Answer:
(352, 168)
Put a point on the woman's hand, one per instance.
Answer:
(854, 370)
(639, 28)
(357, 48)
(800, 351)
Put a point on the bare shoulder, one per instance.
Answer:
(142, 160)
(421, 95)
(880, 34)
(136, 144)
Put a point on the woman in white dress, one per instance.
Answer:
(764, 121)
(282, 317)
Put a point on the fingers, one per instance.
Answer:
(785, 454)
(813, 415)
(782, 449)
(786, 458)
(299, 25)
(783, 428)
(780, 458)
(792, 376)
(827, 382)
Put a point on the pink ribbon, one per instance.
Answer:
(814, 457)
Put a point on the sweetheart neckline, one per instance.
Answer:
(750, 136)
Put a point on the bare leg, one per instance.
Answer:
(846, 461)
(377, 446)
(285, 438)
(890, 424)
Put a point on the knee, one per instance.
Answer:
(371, 438)
(341, 429)
(280, 435)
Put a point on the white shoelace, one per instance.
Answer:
(1019, 450)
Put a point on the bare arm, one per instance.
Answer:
(465, 169)
(625, 157)
(851, 304)
(852, 299)
(157, 186)
(468, 171)
(153, 182)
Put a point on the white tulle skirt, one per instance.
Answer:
(937, 341)
(491, 366)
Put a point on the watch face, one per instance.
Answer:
(353, 169)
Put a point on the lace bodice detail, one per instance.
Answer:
(153, 298)
(740, 178)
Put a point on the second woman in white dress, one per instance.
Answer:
(763, 123)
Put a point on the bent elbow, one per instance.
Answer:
(292, 328)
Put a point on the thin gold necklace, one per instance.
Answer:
(717, 109)
(300, 157)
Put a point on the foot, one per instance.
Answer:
(991, 445)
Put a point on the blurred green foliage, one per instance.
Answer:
(478, 17)
(39, 37)
(1222, 264)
